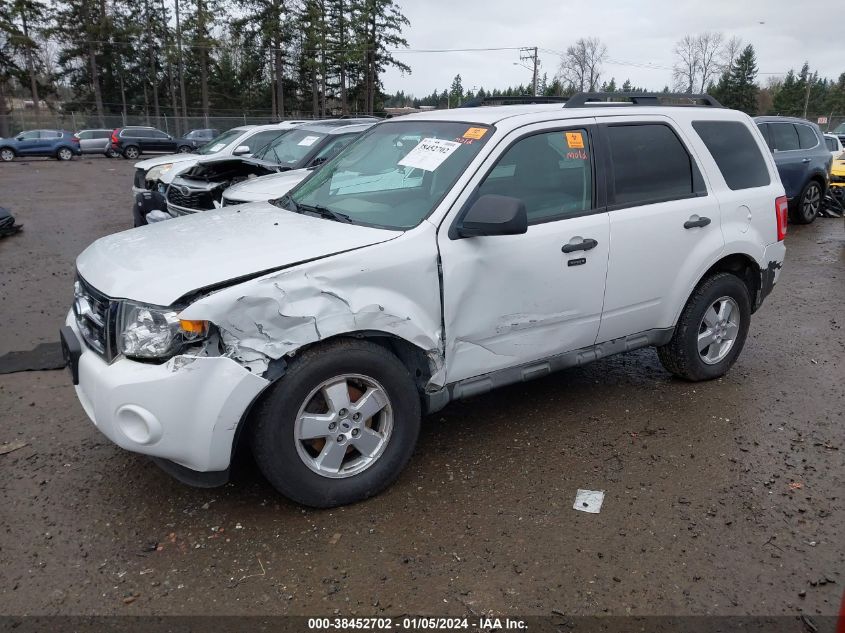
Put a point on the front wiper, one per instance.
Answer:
(324, 212)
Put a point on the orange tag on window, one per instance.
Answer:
(575, 140)
(475, 132)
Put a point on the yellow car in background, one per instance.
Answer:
(837, 178)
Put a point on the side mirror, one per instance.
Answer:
(494, 215)
(240, 150)
(19, 138)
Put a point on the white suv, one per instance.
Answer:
(439, 256)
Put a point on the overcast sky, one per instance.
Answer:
(637, 32)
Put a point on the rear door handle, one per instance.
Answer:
(695, 222)
(583, 245)
(805, 160)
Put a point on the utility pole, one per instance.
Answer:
(530, 55)
(807, 97)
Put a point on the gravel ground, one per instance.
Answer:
(721, 498)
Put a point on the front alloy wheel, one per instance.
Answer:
(6, 155)
(339, 426)
(184, 149)
(64, 154)
(344, 426)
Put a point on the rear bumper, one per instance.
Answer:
(186, 411)
(774, 256)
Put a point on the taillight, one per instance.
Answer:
(114, 137)
(781, 213)
(74, 139)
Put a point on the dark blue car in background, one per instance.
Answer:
(803, 161)
(58, 144)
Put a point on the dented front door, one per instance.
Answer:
(513, 299)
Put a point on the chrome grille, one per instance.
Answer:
(94, 313)
(181, 196)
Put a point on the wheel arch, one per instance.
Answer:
(743, 266)
(420, 364)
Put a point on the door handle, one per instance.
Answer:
(805, 160)
(692, 224)
(583, 245)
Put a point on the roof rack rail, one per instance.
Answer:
(585, 99)
(510, 100)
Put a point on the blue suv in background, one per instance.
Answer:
(803, 161)
(58, 144)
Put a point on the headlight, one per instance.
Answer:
(159, 170)
(153, 332)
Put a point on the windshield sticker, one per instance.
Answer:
(308, 141)
(217, 147)
(475, 132)
(575, 140)
(429, 154)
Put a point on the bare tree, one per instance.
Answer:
(687, 63)
(730, 51)
(710, 54)
(580, 65)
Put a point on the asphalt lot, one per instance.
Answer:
(721, 498)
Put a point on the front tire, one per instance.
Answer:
(340, 425)
(111, 153)
(809, 203)
(711, 331)
(131, 153)
(7, 155)
(184, 149)
(64, 154)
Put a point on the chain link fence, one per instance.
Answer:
(18, 120)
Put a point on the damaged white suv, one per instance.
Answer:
(441, 255)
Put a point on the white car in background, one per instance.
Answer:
(265, 188)
(834, 145)
(239, 141)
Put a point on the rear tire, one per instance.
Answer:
(64, 154)
(111, 153)
(711, 331)
(305, 435)
(808, 205)
(7, 155)
(131, 152)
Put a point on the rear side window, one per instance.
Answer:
(650, 164)
(102, 134)
(550, 172)
(736, 153)
(807, 138)
(784, 137)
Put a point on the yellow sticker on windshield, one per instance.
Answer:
(575, 140)
(475, 132)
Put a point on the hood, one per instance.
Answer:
(267, 187)
(161, 160)
(161, 262)
(838, 167)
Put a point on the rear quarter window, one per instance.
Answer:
(736, 153)
(807, 138)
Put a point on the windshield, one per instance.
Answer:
(218, 143)
(289, 149)
(394, 175)
(840, 129)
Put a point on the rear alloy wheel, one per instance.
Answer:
(131, 152)
(184, 149)
(339, 426)
(64, 154)
(711, 330)
(6, 155)
(808, 204)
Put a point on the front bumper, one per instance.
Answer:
(186, 410)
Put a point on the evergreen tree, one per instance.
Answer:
(737, 87)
